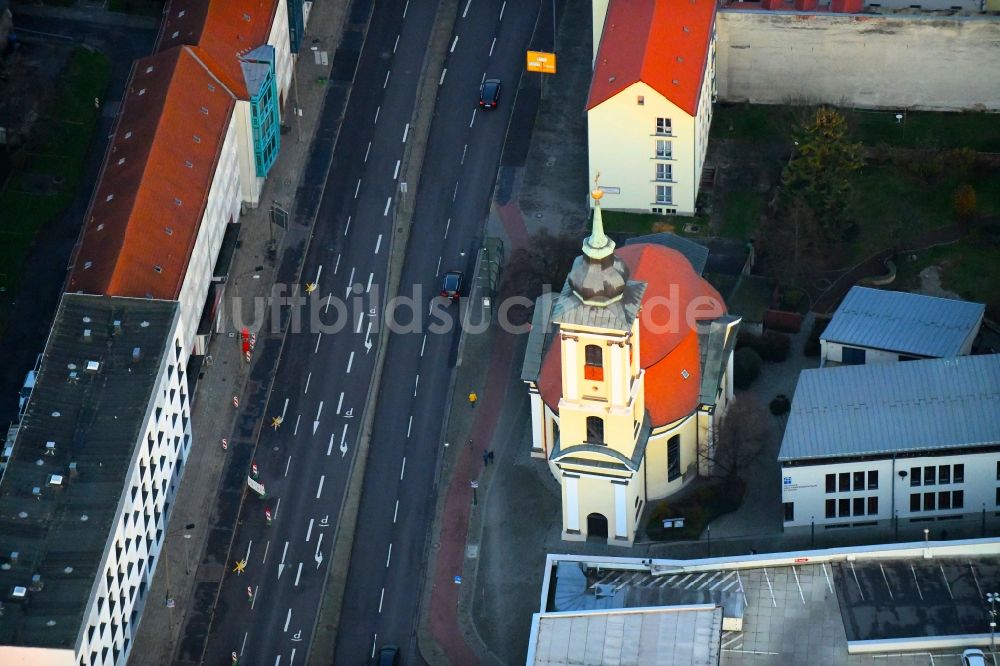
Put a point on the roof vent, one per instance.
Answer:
(177, 202)
(50, 448)
(149, 70)
(100, 226)
(50, 623)
(611, 79)
(204, 110)
(181, 13)
(144, 324)
(197, 139)
(19, 593)
(87, 265)
(36, 583)
(142, 91)
(189, 164)
(93, 366)
(71, 366)
(14, 555)
(109, 197)
(174, 36)
(117, 323)
(72, 469)
(158, 268)
(39, 462)
(211, 87)
(169, 230)
(73, 377)
(121, 161)
(68, 570)
(246, 17)
(128, 134)
(676, 82)
(686, 29)
(86, 319)
(22, 515)
(56, 414)
(55, 480)
(680, 58)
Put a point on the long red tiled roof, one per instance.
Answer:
(222, 29)
(668, 339)
(663, 43)
(144, 217)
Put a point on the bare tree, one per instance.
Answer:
(545, 261)
(740, 436)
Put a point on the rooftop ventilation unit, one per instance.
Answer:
(55, 480)
(37, 492)
(93, 366)
(18, 593)
(86, 334)
(50, 448)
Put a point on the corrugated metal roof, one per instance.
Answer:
(893, 407)
(903, 322)
(695, 253)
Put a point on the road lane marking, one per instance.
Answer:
(406, 132)
(244, 642)
(395, 173)
(350, 362)
(447, 226)
(473, 118)
(288, 619)
(329, 447)
(402, 471)
(316, 420)
(254, 599)
(361, 318)
(297, 419)
(319, 491)
(291, 659)
(277, 660)
(297, 575)
(395, 512)
(340, 402)
(380, 600)
(454, 195)
(336, 265)
(308, 379)
(329, 297)
(319, 337)
(416, 385)
(422, 345)
(277, 506)
(466, 10)
(371, 276)
(287, 465)
(284, 409)
(483, 80)
(464, 150)
(396, 45)
(375, 639)
(368, 150)
(309, 530)
(493, 45)
(247, 556)
(437, 271)
(409, 427)
(378, 243)
(266, 547)
(350, 283)
(357, 188)
(503, 7)
(348, 227)
(388, 557)
(385, 213)
(443, 72)
(376, 113)
(319, 271)
(453, 44)
(405, 7)
(386, 82)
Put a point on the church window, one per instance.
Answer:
(594, 368)
(673, 457)
(595, 430)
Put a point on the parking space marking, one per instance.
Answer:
(828, 583)
(795, 570)
(886, 579)
(742, 590)
(723, 580)
(688, 586)
(946, 583)
(857, 582)
(976, 580)
(917, 582)
(774, 602)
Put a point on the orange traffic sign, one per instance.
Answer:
(540, 61)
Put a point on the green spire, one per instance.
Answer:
(598, 246)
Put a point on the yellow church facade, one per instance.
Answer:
(627, 370)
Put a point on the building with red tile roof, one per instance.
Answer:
(167, 189)
(626, 381)
(650, 102)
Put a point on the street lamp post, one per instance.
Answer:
(992, 598)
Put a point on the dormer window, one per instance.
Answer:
(594, 368)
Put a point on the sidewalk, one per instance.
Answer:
(207, 498)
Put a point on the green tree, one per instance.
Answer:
(818, 177)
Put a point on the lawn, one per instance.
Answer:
(742, 213)
(640, 224)
(970, 268)
(50, 167)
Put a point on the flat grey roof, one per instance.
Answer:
(695, 253)
(903, 322)
(882, 408)
(95, 420)
(541, 327)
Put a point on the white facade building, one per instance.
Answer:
(878, 326)
(86, 498)
(650, 105)
(908, 442)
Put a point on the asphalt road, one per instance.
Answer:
(267, 614)
(398, 499)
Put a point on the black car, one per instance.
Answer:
(388, 656)
(489, 94)
(451, 284)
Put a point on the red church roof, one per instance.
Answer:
(676, 297)
(149, 201)
(663, 43)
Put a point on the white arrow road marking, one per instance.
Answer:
(343, 442)
(281, 565)
(319, 556)
(316, 420)
(350, 283)
(368, 342)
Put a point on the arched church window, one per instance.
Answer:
(595, 430)
(594, 368)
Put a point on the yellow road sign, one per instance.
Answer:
(540, 61)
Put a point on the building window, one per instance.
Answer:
(958, 499)
(859, 481)
(929, 476)
(845, 482)
(958, 475)
(664, 149)
(915, 476)
(594, 368)
(998, 497)
(674, 457)
(831, 508)
(595, 430)
(873, 480)
(831, 483)
(944, 474)
(664, 171)
(664, 194)
(843, 508)
(664, 126)
(873, 505)
(859, 506)
(929, 501)
(790, 510)
(640, 100)
(915, 502)
(944, 500)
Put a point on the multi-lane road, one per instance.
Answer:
(267, 615)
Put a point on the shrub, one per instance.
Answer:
(780, 405)
(812, 346)
(706, 503)
(964, 202)
(746, 367)
(774, 346)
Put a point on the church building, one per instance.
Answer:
(628, 369)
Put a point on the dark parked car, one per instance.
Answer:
(388, 656)
(489, 94)
(451, 284)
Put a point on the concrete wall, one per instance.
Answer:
(919, 62)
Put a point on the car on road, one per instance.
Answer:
(489, 94)
(973, 657)
(451, 285)
(388, 656)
